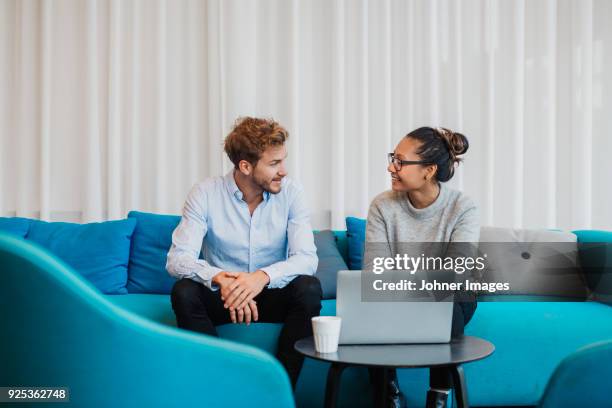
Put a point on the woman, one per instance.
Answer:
(421, 208)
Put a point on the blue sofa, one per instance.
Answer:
(531, 339)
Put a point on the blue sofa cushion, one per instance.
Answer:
(330, 262)
(15, 226)
(98, 251)
(356, 239)
(150, 244)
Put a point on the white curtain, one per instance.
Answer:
(108, 106)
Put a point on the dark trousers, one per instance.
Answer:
(200, 309)
(440, 378)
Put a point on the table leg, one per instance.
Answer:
(459, 386)
(333, 384)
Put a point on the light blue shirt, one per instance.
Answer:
(277, 238)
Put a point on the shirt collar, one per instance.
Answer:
(233, 189)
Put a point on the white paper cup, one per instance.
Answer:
(326, 333)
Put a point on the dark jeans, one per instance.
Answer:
(200, 309)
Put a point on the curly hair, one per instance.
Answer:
(250, 137)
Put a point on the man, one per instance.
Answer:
(253, 228)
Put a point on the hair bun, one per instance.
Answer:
(456, 143)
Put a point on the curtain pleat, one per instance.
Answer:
(134, 194)
(114, 162)
(337, 184)
(45, 121)
(91, 166)
(582, 112)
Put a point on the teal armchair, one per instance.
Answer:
(57, 330)
(581, 379)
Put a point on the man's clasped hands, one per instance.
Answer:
(238, 290)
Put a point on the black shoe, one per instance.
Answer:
(436, 399)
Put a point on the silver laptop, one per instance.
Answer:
(388, 322)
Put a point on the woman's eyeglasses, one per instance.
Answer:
(398, 163)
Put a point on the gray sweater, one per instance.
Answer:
(393, 220)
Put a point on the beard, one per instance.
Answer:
(272, 185)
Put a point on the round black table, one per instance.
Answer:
(384, 357)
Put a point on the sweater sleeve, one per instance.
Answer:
(376, 241)
(467, 228)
